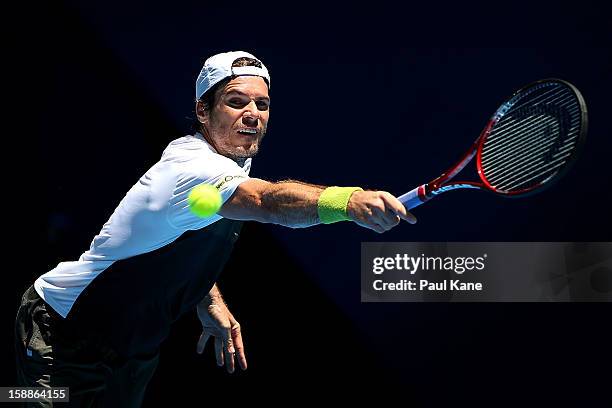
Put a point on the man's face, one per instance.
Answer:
(237, 122)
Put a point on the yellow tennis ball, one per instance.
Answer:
(204, 200)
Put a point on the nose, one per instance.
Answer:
(251, 115)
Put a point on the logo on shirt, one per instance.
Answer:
(226, 180)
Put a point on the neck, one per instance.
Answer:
(207, 137)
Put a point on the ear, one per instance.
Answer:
(201, 113)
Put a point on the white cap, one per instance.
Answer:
(219, 67)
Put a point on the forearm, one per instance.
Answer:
(291, 203)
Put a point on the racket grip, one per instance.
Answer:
(413, 198)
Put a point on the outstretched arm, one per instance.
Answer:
(296, 204)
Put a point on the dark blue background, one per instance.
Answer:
(379, 95)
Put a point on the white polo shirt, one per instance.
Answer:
(153, 213)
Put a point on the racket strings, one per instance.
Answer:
(516, 104)
(535, 164)
(509, 126)
(533, 139)
(528, 129)
(540, 143)
(553, 165)
(540, 169)
(538, 136)
(535, 170)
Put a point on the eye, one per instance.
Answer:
(236, 102)
(262, 105)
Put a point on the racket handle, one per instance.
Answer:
(413, 198)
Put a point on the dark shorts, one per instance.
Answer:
(51, 354)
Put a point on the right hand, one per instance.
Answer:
(377, 210)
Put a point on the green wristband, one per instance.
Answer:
(333, 202)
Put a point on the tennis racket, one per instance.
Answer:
(529, 143)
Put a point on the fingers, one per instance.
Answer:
(381, 211)
(239, 346)
(376, 227)
(229, 353)
(224, 348)
(367, 220)
(385, 218)
(386, 211)
(234, 348)
(202, 342)
(408, 217)
(228, 343)
(219, 351)
(225, 352)
(397, 207)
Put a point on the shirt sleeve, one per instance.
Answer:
(218, 171)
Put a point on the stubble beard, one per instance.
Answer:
(236, 153)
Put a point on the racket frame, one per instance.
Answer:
(426, 192)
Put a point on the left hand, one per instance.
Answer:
(217, 321)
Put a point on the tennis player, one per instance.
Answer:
(95, 325)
